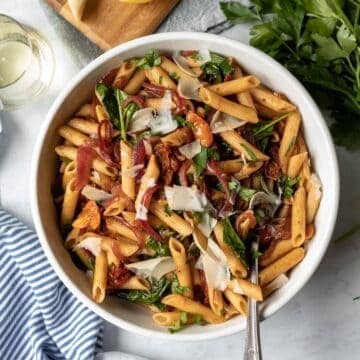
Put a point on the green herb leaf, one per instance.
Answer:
(232, 239)
(256, 254)
(216, 69)
(251, 154)
(198, 319)
(176, 288)
(196, 56)
(174, 76)
(167, 210)
(288, 185)
(107, 98)
(237, 13)
(244, 192)
(150, 297)
(160, 249)
(151, 59)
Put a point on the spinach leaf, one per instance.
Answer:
(149, 297)
(232, 239)
(107, 98)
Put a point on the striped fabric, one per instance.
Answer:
(39, 317)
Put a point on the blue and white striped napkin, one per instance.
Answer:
(39, 317)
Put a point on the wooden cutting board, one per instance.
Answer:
(109, 22)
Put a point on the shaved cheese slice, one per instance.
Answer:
(141, 212)
(164, 123)
(190, 150)
(207, 224)
(132, 171)
(77, 8)
(181, 62)
(222, 122)
(153, 268)
(276, 284)
(141, 120)
(185, 198)
(93, 193)
(188, 88)
(214, 264)
(92, 244)
(316, 185)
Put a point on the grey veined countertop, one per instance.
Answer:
(321, 322)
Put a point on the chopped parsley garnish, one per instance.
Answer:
(196, 56)
(232, 239)
(180, 323)
(183, 122)
(160, 80)
(291, 145)
(288, 185)
(173, 75)
(167, 210)
(198, 319)
(243, 192)
(256, 254)
(216, 69)
(176, 288)
(263, 130)
(150, 59)
(160, 249)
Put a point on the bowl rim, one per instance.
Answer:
(174, 36)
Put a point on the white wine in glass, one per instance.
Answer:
(26, 64)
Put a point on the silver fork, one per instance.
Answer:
(252, 343)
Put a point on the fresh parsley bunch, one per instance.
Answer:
(318, 41)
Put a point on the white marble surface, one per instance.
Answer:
(322, 322)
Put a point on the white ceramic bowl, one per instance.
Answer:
(271, 73)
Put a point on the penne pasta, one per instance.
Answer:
(100, 276)
(288, 139)
(216, 301)
(235, 86)
(271, 101)
(281, 266)
(227, 106)
(135, 83)
(85, 111)
(135, 283)
(71, 197)
(183, 303)
(176, 138)
(237, 301)
(245, 287)
(127, 180)
(73, 136)
(238, 143)
(156, 75)
(124, 74)
(172, 220)
(88, 127)
(69, 173)
(98, 164)
(183, 272)
(295, 164)
(298, 217)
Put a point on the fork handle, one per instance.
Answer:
(252, 343)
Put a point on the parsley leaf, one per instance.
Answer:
(160, 249)
(288, 185)
(256, 254)
(176, 288)
(237, 13)
(179, 324)
(216, 69)
(244, 192)
(319, 42)
(232, 239)
(149, 60)
(167, 210)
